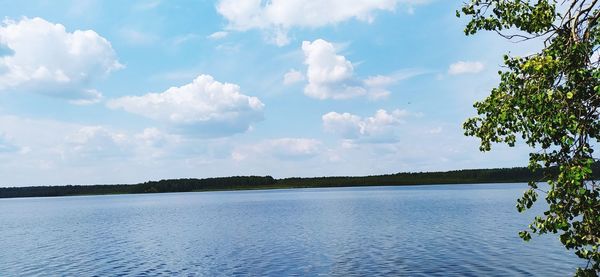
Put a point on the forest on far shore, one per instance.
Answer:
(467, 176)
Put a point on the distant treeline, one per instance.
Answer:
(469, 176)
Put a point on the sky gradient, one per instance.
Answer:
(125, 92)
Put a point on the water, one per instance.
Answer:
(466, 230)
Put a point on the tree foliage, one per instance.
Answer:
(551, 100)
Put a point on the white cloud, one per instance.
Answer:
(379, 81)
(381, 127)
(293, 76)
(95, 142)
(294, 147)
(277, 17)
(155, 137)
(153, 143)
(281, 148)
(462, 67)
(345, 124)
(377, 85)
(331, 76)
(218, 35)
(49, 60)
(92, 96)
(54, 152)
(90, 144)
(205, 107)
(66, 144)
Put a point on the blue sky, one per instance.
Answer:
(124, 92)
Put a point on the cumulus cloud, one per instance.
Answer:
(95, 142)
(154, 137)
(84, 144)
(462, 67)
(331, 76)
(46, 151)
(87, 144)
(381, 127)
(153, 143)
(293, 76)
(294, 147)
(54, 152)
(277, 17)
(45, 58)
(205, 107)
(281, 148)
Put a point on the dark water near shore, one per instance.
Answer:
(466, 230)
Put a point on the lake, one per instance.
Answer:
(443, 230)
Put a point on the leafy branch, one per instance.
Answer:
(551, 100)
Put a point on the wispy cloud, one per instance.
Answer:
(218, 35)
(293, 76)
(276, 18)
(137, 37)
(465, 67)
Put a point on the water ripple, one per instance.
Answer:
(378, 231)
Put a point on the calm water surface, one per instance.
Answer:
(466, 230)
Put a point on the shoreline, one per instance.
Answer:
(236, 183)
(270, 189)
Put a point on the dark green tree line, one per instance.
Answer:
(467, 176)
